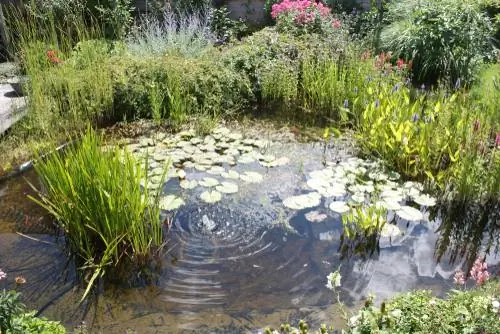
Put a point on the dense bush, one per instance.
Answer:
(446, 40)
(14, 319)
(474, 311)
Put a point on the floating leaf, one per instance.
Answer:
(211, 196)
(321, 174)
(425, 200)
(200, 167)
(390, 230)
(339, 207)
(246, 159)
(389, 204)
(251, 177)
(209, 182)
(394, 176)
(315, 216)
(317, 184)
(216, 170)
(185, 184)
(231, 175)
(409, 213)
(305, 201)
(358, 197)
(171, 202)
(227, 188)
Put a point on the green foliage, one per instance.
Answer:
(116, 16)
(225, 28)
(110, 222)
(445, 138)
(15, 320)
(446, 40)
(421, 312)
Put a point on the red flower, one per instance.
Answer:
(336, 24)
(400, 63)
(51, 54)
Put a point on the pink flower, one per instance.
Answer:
(336, 24)
(459, 278)
(400, 63)
(479, 272)
(2, 274)
(497, 140)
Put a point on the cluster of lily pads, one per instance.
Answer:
(356, 183)
(215, 154)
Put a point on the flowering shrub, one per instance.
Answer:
(304, 16)
(2, 274)
(479, 273)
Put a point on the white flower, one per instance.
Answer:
(333, 280)
(396, 313)
(495, 304)
(405, 141)
(432, 302)
(353, 320)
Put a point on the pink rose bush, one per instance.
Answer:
(304, 16)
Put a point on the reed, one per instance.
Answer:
(96, 196)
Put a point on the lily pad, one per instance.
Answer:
(216, 170)
(231, 175)
(227, 188)
(409, 213)
(390, 230)
(246, 159)
(211, 196)
(358, 197)
(388, 204)
(252, 177)
(186, 184)
(321, 174)
(339, 207)
(315, 216)
(317, 184)
(425, 200)
(209, 182)
(305, 201)
(200, 167)
(171, 202)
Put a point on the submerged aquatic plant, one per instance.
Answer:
(110, 221)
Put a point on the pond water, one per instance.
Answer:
(238, 265)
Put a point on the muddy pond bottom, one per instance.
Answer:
(237, 265)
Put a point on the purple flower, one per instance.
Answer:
(408, 82)
(497, 140)
(2, 274)
(422, 87)
(346, 104)
(395, 88)
(415, 118)
(458, 84)
(377, 103)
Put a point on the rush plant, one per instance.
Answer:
(110, 221)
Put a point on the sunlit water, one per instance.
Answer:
(236, 266)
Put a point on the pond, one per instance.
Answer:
(246, 261)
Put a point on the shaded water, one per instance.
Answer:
(235, 266)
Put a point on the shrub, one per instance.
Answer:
(15, 320)
(446, 40)
(176, 33)
(303, 16)
(474, 311)
(224, 28)
(110, 221)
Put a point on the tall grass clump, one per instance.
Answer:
(447, 40)
(176, 33)
(69, 82)
(111, 222)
